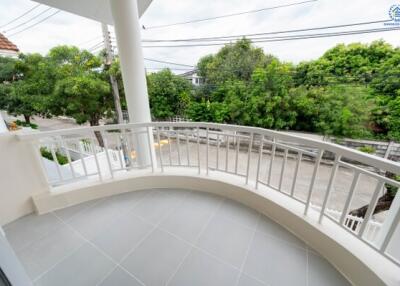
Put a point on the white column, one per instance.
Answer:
(127, 29)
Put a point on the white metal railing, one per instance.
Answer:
(273, 159)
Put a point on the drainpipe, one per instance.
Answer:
(127, 29)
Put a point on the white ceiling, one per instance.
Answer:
(98, 10)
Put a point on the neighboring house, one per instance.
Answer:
(7, 48)
(193, 77)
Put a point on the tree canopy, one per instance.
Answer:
(351, 90)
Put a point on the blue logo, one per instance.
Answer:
(394, 14)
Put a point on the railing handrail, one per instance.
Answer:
(364, 158)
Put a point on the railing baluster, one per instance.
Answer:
(68, 157)
(119, 149)
(259, 160)
(96, 159)
(187, 148)
(107, 155)
(198, 150)
(128, 149)
(169, 145)
(296, 173)
(217, 167)
(283, 168)
(207, 151)
(313, 179)
(237, 152)
(249, 157)
(82, 158)
(149, 135)
(159, 150)
(390, 224)
(227, 153)
(349, 199)
(178, 146)
(53, 154)
(371, 208)
(271, 163)
(329, 188)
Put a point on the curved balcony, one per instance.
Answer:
(300, 190)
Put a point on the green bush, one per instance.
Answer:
(62, 160)
(24, 124)
(392, 190)
(367, 149)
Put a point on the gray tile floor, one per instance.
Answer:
(164, 237)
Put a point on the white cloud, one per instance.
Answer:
(66, 28)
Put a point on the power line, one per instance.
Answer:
(20, 16)
(35, 24)
(96, 46)
(165, 62)
(90, 40)
(30, 20)
(284, 38)
(228, 15)
(164, 68)
(266, 33)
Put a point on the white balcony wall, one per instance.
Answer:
(21, 176)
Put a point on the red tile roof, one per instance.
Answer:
(5, 44)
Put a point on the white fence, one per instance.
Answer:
(248, 153)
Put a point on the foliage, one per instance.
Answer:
(233, 62)
(62, 160)
(28, 94)
(351, 63)
(367, 149)
(7, 69)
(81, 90)
(340, 110)
(169, 94)
(24, 124)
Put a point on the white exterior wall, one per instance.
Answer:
(21, 176)
(8, 53)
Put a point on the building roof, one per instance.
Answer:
(6, 44)
(189, 73)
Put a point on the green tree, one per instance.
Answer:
(233, 62)
(169, 94)
(30, 91)
(81, 90)
(7, 69)
(340, 110)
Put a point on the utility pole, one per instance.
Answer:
(113, 80)
(114, 84)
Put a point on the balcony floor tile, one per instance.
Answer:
(156, 259)
(200, 269)
(164, 237)
(86, 266)
(120, 277)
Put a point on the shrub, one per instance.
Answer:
(367, 149)
(24, 124)
(62, 160)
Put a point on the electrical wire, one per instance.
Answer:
(98, 45)
(266, 33)
(284, 38)
(20, 16)
(28, 21)
(227, 15)
(166, 62)
(35, 24)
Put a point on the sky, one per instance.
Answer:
(66, 28)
